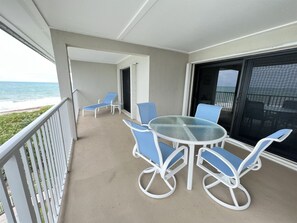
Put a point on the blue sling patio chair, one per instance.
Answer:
(107, 102)
(227, 168)
(147, 111)
(208, 112)
(164, 159)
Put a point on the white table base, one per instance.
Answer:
(190, 166)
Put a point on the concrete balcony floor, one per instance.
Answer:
(103, 185)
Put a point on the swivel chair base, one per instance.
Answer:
(145, 190)
(236, 205)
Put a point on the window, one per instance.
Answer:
(269, 102)
(263, 102)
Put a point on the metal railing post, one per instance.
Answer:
(17, 181)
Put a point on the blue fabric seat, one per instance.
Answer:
(208, 112)
(107, 102)
(147, 111)
(167, 150)
(219, 164)
(229, 168)
(164, 160)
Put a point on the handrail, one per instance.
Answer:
(226, 99)
(75, 90)
(14, 143)
(35, 162)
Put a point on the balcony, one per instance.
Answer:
(103, 185)
(94, 179)
(99, 182)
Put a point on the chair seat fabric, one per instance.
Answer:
(147, 112)
(167, 150)
(219, 164)
(93, 107)
(208, 112)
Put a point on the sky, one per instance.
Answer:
(227, 78)
(20, 63)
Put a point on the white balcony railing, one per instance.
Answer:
(34, 167)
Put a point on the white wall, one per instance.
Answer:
(93, 80)
(167, 78)
(142, 72)
(140, 81)
(166, 68)
(268, 41)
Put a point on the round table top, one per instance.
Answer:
(187, 129)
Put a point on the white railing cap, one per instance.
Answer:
(13, 144)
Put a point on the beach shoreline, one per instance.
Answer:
(27, 96)
(7, 107)
(22, 110)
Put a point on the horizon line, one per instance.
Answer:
(29, 81)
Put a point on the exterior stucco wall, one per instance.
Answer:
(93, 81)
(142, 75)
(166, 68)
(269, 41)
(140, 80)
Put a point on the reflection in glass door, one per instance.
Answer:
(270, 103)
(217, 84)
(225, 95)
(265, 101)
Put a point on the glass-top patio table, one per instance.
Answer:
(188, 130)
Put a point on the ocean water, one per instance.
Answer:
(26, 95)
(284, 91)
(226, 89)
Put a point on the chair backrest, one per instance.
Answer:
(252, 158)
(208, 112)
(147, 112)
(290, 104)
(109, 98)
(254, 109)
(146, 141)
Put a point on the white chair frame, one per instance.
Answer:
(233, 182)
(163, 169)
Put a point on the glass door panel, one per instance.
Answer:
(126, 89)
(270, 103)
(225, 94)
(217, 84)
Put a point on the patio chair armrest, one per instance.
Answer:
(170, 157)
(221, 158)
(237, 143)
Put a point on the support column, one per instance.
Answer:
(187, 89)
(63, 71)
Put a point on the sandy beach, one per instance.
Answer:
(7, 107)
(21, 110)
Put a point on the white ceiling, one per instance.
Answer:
(180, 25)
(95, 56)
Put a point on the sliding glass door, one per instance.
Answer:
(269, 102)
(126, 91)
(258, 96)
(217, 84)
